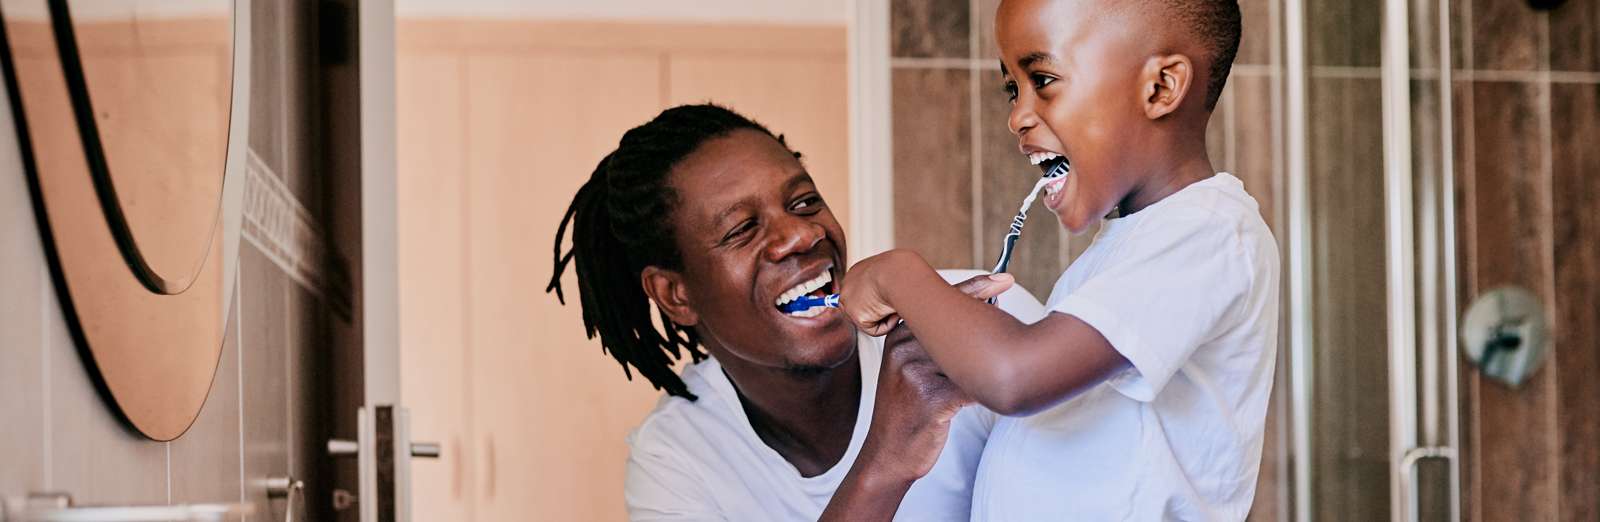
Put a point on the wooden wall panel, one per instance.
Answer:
(797, 95)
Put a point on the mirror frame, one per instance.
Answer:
(229, 205)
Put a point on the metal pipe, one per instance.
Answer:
(1299, 246)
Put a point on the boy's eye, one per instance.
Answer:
(1039, 81)
(1011, 91)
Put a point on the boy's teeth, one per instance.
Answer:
(1041, 157)
(1052, 188)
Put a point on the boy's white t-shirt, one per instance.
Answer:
(701, 461)
(1187, 290)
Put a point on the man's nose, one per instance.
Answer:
(793, 235)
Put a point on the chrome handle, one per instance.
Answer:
(1409, 462)
(289, 489)
(349, 448)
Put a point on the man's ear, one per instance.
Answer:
(666, 288)
(1166, 82)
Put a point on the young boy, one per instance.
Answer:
(1142, 396)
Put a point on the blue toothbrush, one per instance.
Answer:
(806, 302)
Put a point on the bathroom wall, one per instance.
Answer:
(262, 417)
(1527, 107)
(500, 122)
(959, 176)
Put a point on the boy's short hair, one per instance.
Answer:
(1215, 25)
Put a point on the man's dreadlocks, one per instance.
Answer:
(621, 224)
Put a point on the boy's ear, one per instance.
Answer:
(666, 288)
(1166, 82)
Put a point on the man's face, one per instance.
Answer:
(1074, 75)
(752, 226)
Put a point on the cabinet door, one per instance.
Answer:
(432, 195)
(550, 409)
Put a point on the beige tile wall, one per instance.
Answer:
(499, 124)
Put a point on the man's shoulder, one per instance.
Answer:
(677, 421)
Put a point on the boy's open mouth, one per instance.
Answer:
(1052, 165)
(820, 286)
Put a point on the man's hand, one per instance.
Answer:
(910, 422)
(911, 417)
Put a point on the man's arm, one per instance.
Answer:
(911, 420)
(1008, 366)
(910, 423)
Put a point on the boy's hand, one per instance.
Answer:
(865, 298)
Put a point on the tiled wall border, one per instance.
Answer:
(278, 225)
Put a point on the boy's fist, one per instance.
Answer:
(866, 287)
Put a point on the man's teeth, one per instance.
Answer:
(809, 312)
(803, 289)
(1041, 157)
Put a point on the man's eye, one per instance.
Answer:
(807, 202)
(739, 231)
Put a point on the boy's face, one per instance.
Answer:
(1073, 67)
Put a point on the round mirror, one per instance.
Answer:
(131, 115)
(150, 82)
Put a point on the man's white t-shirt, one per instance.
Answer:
(701, 460)
(1187, 290)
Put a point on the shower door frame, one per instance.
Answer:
(1424, 417)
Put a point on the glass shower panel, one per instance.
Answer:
(1349, 425)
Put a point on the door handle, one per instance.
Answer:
(349, 448)
(1408, 463)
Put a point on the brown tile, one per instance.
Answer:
(1350, 433)
(1576, 188)
(1253, 160)
(1575, 36)
(1504, 35)
(1343, 32)
(929, 29)
(1516, 451)
(1255, 32)
(1460, 17)
(987, 50)
(933, 165)
(1007, 176)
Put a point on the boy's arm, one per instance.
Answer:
(1008, 366)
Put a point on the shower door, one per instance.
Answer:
(1370, 260)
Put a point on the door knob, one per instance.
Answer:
(1506, 333)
